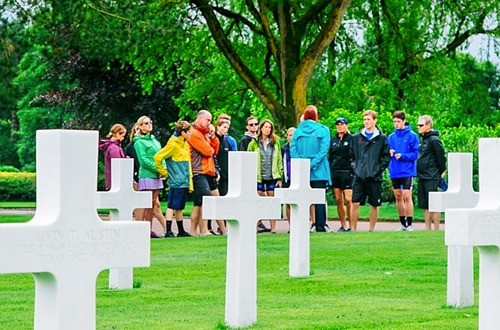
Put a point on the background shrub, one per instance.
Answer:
(18, 187)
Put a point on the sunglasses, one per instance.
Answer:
(148, 123)
(420, 125)
(253, 124)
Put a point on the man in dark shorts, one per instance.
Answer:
(431, 167)
(204, 145)
(342, 173)
(370, 157)
(403, 144)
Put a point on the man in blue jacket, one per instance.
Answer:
(403, 144)
(370, 157)
(312, 140)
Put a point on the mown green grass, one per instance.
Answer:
(387, 212)
(378, 280)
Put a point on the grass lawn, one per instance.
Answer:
(377, 280)
(387, 212)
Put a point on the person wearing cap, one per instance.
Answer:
(341, 172)
(312, 140)
(370, 157)
(403, 146)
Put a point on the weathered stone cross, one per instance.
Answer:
(122, 200)
(66, 245)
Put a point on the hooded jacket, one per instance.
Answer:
(369, 158)
(312, 140)
(276, 161)
(405, 142)
(203, 151)
(146, 147)
(178, 161)
(112, 149)
(431, 162)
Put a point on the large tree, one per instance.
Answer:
(293, 35)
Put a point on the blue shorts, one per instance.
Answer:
(177, 198)
(266, 185)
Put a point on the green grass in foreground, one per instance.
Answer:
(378, 280)
(387, 212)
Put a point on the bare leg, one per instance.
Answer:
(270, 193)
(312, 214)
(138, 213)
(436, 218)
(220, 223)
(159, 214)
(373, 216)
(195, 220)
(427, 219)
(400, 205)
(339, 198)
(354, 216)
(348, 204)
(408, 202)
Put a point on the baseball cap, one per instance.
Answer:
(341, 120)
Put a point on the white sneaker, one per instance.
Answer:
(402, 228)
(409, 228)
(313, 228)
(327, 229)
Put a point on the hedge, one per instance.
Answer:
(17, 187)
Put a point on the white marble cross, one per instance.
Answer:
(460, 194)
(66, 245)
(242, 207)
(480, 226)
(300, 195)
(122, 200)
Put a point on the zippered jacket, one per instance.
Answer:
(178, 163)
(146, 147)
(431, 162)
(203, 151)
(369, 158)
(405, 142)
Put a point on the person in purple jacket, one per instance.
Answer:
(403, 146)
(112, 147)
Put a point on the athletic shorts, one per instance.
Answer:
(342, 180)
(177, 198)
(424, 187)
(370, 188)
(402, 183)
(266, 185)
(202, 186)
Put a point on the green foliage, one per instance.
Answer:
(8, 155)
(8, 168)
(17, 186)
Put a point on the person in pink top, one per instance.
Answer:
(112, 147)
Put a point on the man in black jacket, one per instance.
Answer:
(370, 157)
(431, 167)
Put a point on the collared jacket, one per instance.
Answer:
(146, 147)
(276, 161)
(177, 157)
(405, 142)
(312, 140)
(431, 162)
(339, 153)
(112, 149)
(370, 158)
(203, 150)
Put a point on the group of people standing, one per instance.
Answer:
(195, 159)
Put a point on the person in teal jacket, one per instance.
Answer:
(311, 140)
(270, 164)
(146, 146)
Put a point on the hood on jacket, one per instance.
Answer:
(403, 131)
(377, 132)
(142, 137)
(104, 144)
(309, 126)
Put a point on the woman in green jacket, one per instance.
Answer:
(146, 146)
(270, 163)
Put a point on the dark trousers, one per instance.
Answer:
(320, 211)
